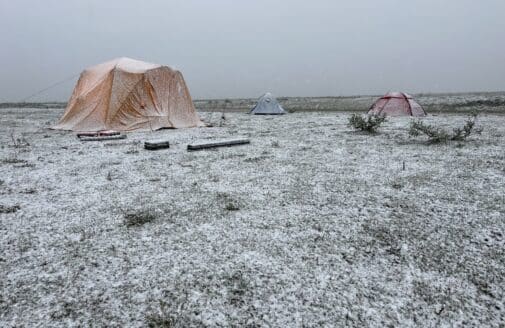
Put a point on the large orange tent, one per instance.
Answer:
(125, 94)
(397, 104)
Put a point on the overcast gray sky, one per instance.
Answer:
(234, 48)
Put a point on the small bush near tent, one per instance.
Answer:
(439, 135)
(367, 123)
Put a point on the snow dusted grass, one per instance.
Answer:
(311, 224)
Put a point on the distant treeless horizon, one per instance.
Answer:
(231, 49)
(34, 100)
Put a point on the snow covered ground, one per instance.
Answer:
(311, 224)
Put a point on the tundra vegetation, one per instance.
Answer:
(437, 134)
(366, 123)
(309, 225)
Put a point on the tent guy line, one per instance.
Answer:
(50, 87)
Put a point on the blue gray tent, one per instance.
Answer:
(267, 105)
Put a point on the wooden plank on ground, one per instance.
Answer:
(103, 138)
(155, 145)
(107, 133)
(215, 144)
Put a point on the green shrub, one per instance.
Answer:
(367, 123)
(434, 134)
(439, 135)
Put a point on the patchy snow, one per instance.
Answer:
(311, 224)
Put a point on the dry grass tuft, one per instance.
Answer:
(5, 209)
(139, 218)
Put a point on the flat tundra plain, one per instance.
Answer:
(311, 225)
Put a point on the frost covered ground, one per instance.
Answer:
(311, 224)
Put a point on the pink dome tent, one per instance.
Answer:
(397, 104)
